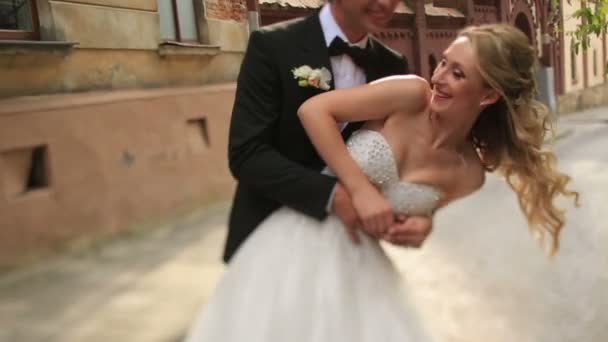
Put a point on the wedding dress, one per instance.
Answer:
(297, 279)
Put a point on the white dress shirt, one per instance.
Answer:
(345, 72)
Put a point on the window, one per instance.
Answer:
(25, 170)
(198, 134)
(177, 21)
(18, 19)
(594, 62)
(574, 75)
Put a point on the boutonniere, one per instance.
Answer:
(309, 77)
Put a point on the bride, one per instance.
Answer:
(422, 147)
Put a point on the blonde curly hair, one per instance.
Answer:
(509, 135)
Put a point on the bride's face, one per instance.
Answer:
(458, 88)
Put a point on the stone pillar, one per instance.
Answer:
(585, 52)
(469, 10)
(503, 11)
(605, 57)
(548, 73)
(561, 52)
(253, 8)
(421, 65)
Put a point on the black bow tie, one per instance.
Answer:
(361, 57)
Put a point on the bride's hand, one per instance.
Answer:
(374, 211)
(409, 231)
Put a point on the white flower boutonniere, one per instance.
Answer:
(309, 77)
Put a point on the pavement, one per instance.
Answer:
(146, 287)
(480, 277)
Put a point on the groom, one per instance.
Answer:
(270, 154)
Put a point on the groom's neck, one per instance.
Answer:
(353, 32)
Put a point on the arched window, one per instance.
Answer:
(573, 65)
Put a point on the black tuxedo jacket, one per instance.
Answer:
(270, 154)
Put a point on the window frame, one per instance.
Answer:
(595, 68)
(573, 67)
(176, 23)
(23, 34)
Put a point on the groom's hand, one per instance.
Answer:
(342, 206)
(409, 231)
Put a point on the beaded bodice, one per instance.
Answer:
(373, 154)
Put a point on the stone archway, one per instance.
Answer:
(521, 16)
(522, 23)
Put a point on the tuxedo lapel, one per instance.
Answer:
(309, 49)
(372, 71)
(313, 47)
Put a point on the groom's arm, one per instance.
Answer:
(253, 159)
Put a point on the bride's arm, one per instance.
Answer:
(320, 115)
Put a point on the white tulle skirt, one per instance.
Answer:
(300, 280)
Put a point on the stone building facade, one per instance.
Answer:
(113, 115)
(75, 46)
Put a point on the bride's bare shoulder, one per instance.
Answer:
(415, 91)
(405, 81)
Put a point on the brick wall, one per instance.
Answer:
(226, 10)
